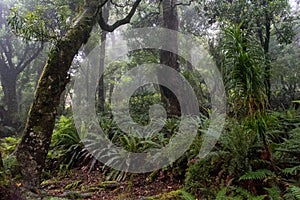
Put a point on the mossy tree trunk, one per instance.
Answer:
(31, 152)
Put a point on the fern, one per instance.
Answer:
(257, 175)
(295, 191)
(237, 193)
(248, 195)
(186, 196)
(292, 170)
(274, 193)
(221, 195)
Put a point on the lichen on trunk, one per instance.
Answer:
(31, 152)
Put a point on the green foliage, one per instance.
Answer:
(131, 142)
(45, 21)
(237, 159)
(10, 164)
(260, 174)
(8, 145)
(292, 170)
(285, 68)
(287, 152)
(66, 146)
(237, 193)
(274, 193)
(295, 191)
(140, 104)
(243, 61)
(174, 195)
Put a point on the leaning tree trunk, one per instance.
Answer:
(31, 152)
(170, 21)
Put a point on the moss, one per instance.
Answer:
(173, 195)
(11, 165)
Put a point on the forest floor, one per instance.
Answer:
(91, 186)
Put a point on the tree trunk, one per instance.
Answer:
(31, 152)
(264, 34)
(266, 46)
(170, 21)
(101, 89)
(1, 162)
(8, 82)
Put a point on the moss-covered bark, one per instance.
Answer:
(31, 152)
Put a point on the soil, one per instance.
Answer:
(93, 186)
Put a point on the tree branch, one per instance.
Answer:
(21, 66)
(280, 34)
(111, 28)
(7, 49)
(27, 50)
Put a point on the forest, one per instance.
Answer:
(150, 99)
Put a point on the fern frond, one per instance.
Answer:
(291, 170)
(274, 193)
(186, 196)
(257, 175)
(295, 191)
(221, 195)
(248, 195)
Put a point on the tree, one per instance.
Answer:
(101, 89)
(32, 150)
(243, 58)
(170, 21)
(258, 17)
(15, 56)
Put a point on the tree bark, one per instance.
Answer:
(1, 162)
(266, 46)
(264, 34)
(170, 21)
(31, 152)
(9, 85)
(101, 89)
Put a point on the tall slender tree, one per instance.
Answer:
(170, 21)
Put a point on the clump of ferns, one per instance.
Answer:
(66, 146)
